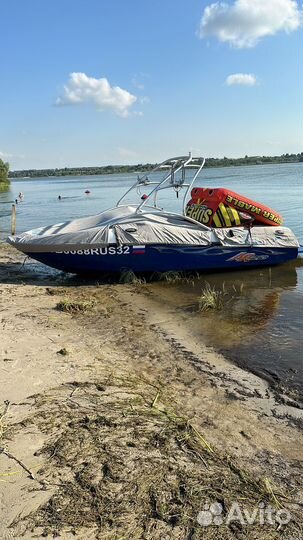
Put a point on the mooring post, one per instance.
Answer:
(13, 224)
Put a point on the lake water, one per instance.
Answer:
(261, 323)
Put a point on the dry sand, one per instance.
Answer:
(117, 424)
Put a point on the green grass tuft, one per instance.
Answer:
(211, 298)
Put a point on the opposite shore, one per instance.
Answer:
(139, 168)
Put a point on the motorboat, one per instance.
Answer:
(149, 231)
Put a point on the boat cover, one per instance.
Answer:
(123, 226)
(158, 229)
(257, 236)
(117, 226)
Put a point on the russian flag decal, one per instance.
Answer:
(138, 250)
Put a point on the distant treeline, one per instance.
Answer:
(117, 169)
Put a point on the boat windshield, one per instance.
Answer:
(177, 174)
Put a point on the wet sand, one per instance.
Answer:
(86, 388)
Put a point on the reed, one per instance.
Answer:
(211, 298)
(171, 277)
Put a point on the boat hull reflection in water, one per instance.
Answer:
(258, 324)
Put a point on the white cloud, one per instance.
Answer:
(83, 89)
(245, 22)
(243, 79)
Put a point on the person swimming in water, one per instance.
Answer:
(59, 197)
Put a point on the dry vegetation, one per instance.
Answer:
(125, 465)
(76, 306)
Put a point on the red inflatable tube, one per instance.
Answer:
(222, 207)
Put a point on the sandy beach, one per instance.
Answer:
(117, 423)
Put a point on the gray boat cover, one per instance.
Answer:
(82, 233)
(158, 229)
(123, 226)
(120, 226)
(257, 236)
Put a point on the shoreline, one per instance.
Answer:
(118, 340)
(240, 383)
(147, 170)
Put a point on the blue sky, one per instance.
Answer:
(95, 82)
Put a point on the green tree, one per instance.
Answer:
(4, 168)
